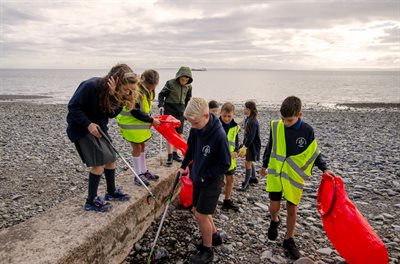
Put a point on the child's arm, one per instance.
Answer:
(224, 159)
(188, 95)
(163, 94)
(142, 116)
(252, 134)
(189, 152)
(267, 154)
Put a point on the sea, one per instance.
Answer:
(236, 85)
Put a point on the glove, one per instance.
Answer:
(242, 152)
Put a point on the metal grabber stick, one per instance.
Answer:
(129, 166)
(151, 256)
(161, 140)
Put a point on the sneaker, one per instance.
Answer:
(202, 257)
(216, 241)
(169, 161)
(97, 205)
(151, 177)
(253, 180)
(176, 157)
(143, 178)
(228, 204)
(273, 229)
(118, 195)
(291, 249)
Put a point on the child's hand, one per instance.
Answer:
(329, 172)
(242, 152)
(112, 85)
(93, 130)
(233, 155)
(156, 122)
(263, 171)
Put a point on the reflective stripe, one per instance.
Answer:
(134, 126)
(299, 171)
(232, 144)
(292, 182)
(275, 135)
(313, 157)
(124, 113)
(278, 157)
(273, 171)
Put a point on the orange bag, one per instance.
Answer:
(346, 228)
(167, 130)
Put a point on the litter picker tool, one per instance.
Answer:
(151, 256)
(161, 140)
(129, 166)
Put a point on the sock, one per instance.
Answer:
(170, 157)
(247, 178)
(94, 181)
(253, 171)
(110, 180)
(136, 165)
(143, 162)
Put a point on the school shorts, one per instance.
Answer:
(230, 172)
(205, 198)
(94, 151)
(277, 197)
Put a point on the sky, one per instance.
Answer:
(275, 34)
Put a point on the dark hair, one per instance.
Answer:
(122, 75)
(228, 107)
(213, 104)
(291, 106)
(150, 77)
(253, 114)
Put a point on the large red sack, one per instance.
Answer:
(346, 228)
(167, 130)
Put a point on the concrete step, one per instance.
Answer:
(69, 234)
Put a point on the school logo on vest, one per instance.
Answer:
(301, 142)
(206, 150)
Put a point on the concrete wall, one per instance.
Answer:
(68, 234)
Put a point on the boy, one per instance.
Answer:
(289, 156)
(232, 133)
(214, 107)
(173, 98)
(209, 150)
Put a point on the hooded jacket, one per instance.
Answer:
(174, 96)
(209, 149)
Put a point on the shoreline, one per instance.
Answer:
(39, 168)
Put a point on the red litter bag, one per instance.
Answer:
(167, 126)
(346, 228)
(185, 196)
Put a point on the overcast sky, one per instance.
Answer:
(275, 34)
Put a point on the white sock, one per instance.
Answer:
(136, 165)
(143, 161)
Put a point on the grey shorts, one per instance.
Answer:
(205, 198)
(94, 151)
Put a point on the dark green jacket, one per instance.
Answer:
(174, 97)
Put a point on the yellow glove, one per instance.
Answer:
(242, 152)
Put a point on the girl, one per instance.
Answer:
(93, 103)
(134, 125)
(251, 143)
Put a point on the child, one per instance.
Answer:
(232, 132)
(214, 107)
(209, 150)
(134, 125)
(93, 103)
(289, 156)
(172, 100)
(251, 144)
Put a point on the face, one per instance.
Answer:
(199, 122)
(227, 117)
(290, 121)
(149, 87)
(246, 111)
(183, 80)
(214, 111)
(127, 88)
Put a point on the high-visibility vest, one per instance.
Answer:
(231, 136)
(131, 128)
(288, 174)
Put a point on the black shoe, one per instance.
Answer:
(244, 187)
(273, 230)
(228, 204)
(216, 241)
(176, 157)
(291, 249)
(253, 180)
(169, 161)
(202, 257)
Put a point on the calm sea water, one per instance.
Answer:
(265, 86)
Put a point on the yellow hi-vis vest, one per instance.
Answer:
(131, 128)
(231, 136)
(287, 174)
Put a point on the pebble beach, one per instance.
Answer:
(39, 168)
